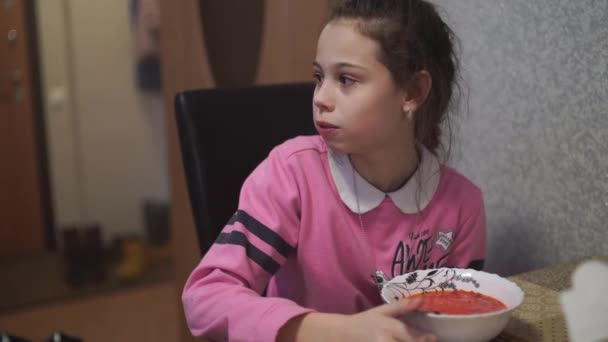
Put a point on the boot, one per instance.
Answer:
(72, 257)
(133, 263)
(93, 252)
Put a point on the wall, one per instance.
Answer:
(536, 135)
(106, 151)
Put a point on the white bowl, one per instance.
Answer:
(457, 328)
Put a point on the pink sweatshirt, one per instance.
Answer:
(297, 231)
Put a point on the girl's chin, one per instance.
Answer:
(337, 147)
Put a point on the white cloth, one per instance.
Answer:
(585, 305)
(413, 195)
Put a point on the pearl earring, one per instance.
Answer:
(409, 115)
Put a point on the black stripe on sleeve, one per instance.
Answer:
(264, 233)
(477, 264)
(255, 254)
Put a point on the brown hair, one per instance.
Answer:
(412, 37)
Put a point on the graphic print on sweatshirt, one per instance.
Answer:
(416, 252)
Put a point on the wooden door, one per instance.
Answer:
(22, 218)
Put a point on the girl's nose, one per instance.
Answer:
(322, 99)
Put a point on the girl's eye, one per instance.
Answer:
(317, 77)
(346, 80)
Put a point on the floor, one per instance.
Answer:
(40, 279)
(147, 313)
(36, 301)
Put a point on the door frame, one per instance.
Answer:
(48, 220)
(38, 112)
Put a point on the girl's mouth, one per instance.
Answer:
(325, 125)
(325, 128)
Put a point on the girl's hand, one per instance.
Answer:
(383, 323)
(379, 324)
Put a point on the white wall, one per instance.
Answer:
(107, 141)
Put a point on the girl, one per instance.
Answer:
(322, 214)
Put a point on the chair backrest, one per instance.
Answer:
(225, 133)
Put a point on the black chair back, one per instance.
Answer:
(225, 133)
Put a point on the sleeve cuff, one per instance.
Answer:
(276, 317)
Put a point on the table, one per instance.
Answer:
(540, 317)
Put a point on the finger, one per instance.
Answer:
(427, 338)
(409, 334)
(413, 304)
(419, 335)
(404, 333)
(399, 307)
(398, 331)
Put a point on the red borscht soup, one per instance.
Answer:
(459, 302)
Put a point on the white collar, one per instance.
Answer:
(416, 193)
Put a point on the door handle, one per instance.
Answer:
(11, 36)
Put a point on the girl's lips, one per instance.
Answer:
(323, 124)
(326, 129)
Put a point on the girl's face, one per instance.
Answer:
(357, 106)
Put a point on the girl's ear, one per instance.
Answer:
(417, 91)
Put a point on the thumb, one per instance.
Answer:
(399, 307)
